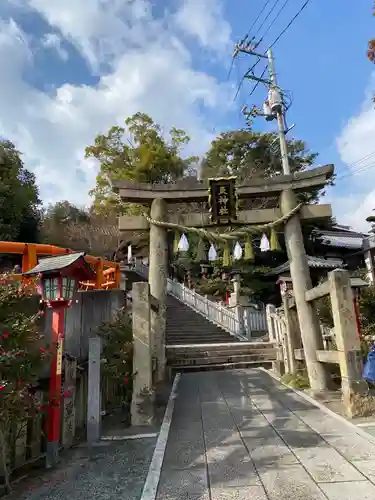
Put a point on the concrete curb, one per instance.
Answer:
(150, 487)
(323, 408)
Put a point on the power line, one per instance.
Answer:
(267, 17)
(260, 78)
(243, 79)
(273, 21)
(362, 159)
(257, 18)
(290, 24)
(365, 168)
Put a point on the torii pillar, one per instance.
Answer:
(157, 278)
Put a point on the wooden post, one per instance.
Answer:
(94, 393)
(54, 407)
(347, 341)
(141, 408)
(69, 415)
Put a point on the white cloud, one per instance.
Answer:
(204, 20)
(356, 147)
(150, 70)
(53, 41)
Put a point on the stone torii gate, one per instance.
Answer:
(285, 187)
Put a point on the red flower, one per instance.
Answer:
(126, 380)
(19, 382)
(2, 387)
(42, 350)
(66, 394)
(5, 335)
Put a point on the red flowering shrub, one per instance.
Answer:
(21, 359)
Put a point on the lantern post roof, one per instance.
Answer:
(73, 263)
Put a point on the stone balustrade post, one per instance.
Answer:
(141, 406)
(270, 310)
(347, 340)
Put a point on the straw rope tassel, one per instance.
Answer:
(226, 255)
(201, 251)
(176, 241)
(249, 251)
(274, 241)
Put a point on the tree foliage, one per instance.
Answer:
(19, 198)
(80, 229)
(371, 44)
(137, 153)
(248, 154)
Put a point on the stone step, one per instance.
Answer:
(204, 353)
(221, 357)
(201, 334)
(196, 341)
(191, 336)
(215, 360)
(220, 366)
(242, 347)
(186, 328)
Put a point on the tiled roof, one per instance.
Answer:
(315, 262)
(55, 263)
(354, 242)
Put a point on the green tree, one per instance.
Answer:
(137, 153)
(19, 198)
(248, 154)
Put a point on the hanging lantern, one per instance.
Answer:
(237, 252)
(212, 254)
(264, 243)
(130, 253)
(183, 245)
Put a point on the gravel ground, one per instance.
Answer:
(110, 471)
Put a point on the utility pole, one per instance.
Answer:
(279, 116)
(273, 108)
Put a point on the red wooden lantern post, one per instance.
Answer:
(58, 279)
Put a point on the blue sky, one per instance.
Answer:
(72, 69)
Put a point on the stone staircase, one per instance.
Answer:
(202, 336)
(196, 344)
(185, 326)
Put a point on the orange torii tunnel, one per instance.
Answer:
(107, 272)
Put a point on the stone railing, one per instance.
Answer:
(216, 313)
(242, 322)
(345, 350)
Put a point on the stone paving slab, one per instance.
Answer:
(349, 491)
(252, 438)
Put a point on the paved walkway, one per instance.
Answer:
(240, 435)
